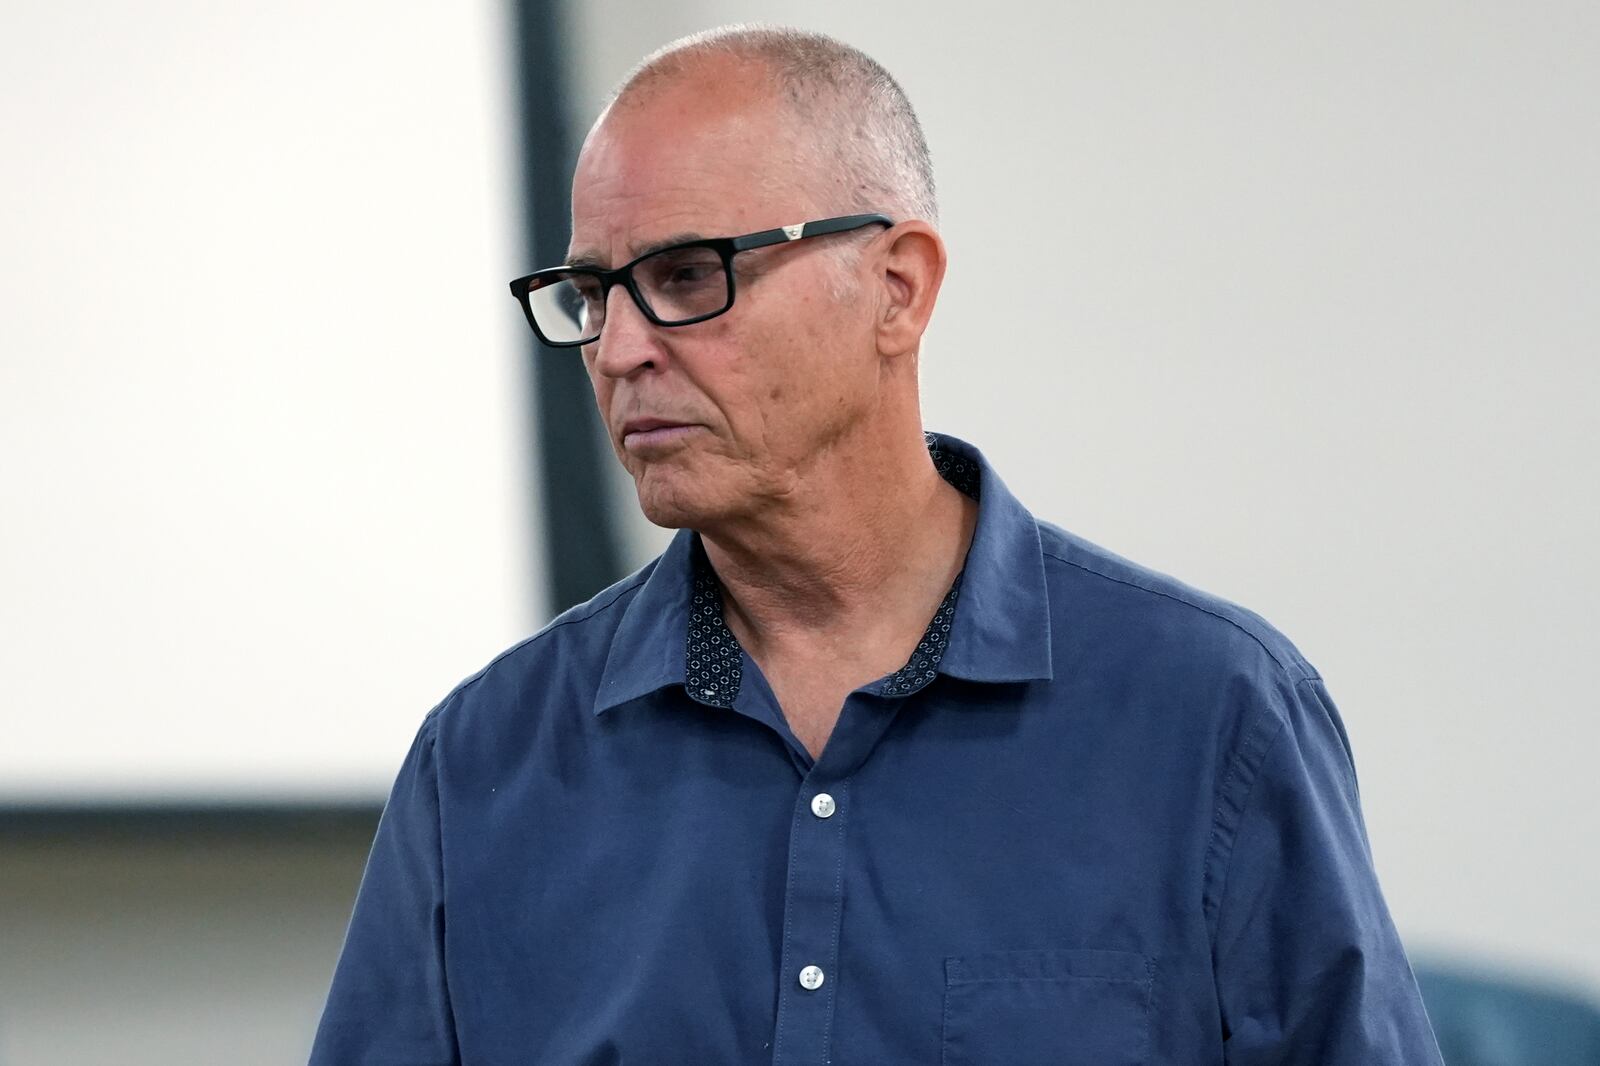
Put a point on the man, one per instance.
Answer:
(870, 766)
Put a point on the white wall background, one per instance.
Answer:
(1297, 302)
(262, 500)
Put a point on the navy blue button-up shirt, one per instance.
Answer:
(1100, 819)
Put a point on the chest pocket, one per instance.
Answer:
(1069, 1007)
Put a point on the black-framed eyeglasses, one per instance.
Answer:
(673, 286)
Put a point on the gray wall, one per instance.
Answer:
(172, 944)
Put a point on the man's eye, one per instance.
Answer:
(691, 273)
(693, 269)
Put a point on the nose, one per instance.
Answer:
(628, 342)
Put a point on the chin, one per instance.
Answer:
(672, 501)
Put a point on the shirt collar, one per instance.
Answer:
(1001, 630)
(993, 626)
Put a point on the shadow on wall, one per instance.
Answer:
(1483, 1020)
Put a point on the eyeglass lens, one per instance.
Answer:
(677, 284)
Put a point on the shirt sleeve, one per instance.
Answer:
(1309, 968)
(389, 1003)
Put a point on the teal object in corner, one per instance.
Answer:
(1482, 1021)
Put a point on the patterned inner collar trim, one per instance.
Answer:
(713, 658)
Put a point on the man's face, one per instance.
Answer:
(718, 420)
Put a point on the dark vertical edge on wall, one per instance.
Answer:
(580, 533)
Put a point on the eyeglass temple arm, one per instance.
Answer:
(766, 237)
(807, 229)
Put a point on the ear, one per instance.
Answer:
(911, 269)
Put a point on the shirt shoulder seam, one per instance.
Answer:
(1298, 671)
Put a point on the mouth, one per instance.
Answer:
(648, 436)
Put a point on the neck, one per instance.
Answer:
(866, 545)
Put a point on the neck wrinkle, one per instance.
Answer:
(865, 547)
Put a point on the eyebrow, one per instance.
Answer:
(596, 261)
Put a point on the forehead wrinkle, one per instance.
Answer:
(636, 249)
(685, 204)
(638, 244)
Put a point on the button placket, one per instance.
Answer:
(813, 910)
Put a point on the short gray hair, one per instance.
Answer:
(853, 109)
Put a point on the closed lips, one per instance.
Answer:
(645, 425)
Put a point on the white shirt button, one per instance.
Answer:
(811, 978)
(822, 805)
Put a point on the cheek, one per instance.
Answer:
(781, 367)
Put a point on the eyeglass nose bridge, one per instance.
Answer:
(622, 276)
(623, 343)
